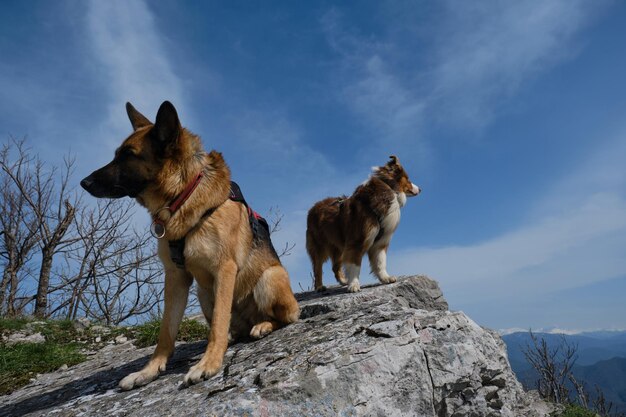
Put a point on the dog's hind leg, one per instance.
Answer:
(340, 276)
(177, 283)
(206, 299)
(213, 357)
(317, 255)
(318, 282)
(337, 267)
(378, 263)
(353, 269)
(275, 300)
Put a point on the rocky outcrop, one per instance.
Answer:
(389, 350)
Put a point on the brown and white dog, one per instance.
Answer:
(187, 191)
(344, 228)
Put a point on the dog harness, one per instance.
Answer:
(158, 226)
(258, 225)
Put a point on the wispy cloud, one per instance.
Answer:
(368, 85)
(485, 52)
(275, 144)
(134, 65)
(479, 56)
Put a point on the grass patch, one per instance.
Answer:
(13, 325)
(20, 362)
(192, 330)
(59, 331)
(147, 334)
(64, 344)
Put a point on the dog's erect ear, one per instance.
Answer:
(137, 119)
(167, 126)
(393, 160)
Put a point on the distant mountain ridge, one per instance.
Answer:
(610, 376)
(592, 346)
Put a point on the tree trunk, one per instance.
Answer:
(3, 290)
(41, 299)
(47, 252)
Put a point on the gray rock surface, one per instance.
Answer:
(81, 324)
(389, 350)
(24, 338)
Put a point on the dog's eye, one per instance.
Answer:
(130, 154)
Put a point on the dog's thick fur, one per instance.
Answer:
(344, 229)
(235, 273)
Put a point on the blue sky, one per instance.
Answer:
(509, 115)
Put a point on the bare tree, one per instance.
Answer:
(132, 288)
(91, 261)
(126, 280)
(111, 273)
(554, 365)
(604, 407)
(555, 368)
(19, 228)
(275, 217)
(48, 202)
(105, 269)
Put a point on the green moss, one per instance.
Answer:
(572, 410)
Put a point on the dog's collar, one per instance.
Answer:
(158, 225)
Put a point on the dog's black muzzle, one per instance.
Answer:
(96, 189)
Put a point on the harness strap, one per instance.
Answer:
(177, 247)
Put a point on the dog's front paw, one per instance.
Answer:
(354, 286)
(200, 372)
(388, 279)
(261, 329)
(137, 379)
(321, 288)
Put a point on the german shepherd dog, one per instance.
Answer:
(344, 228)
(242, 286)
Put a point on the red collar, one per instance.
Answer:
(158, 225)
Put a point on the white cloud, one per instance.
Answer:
(129, 48)
(550, 330)
(530, 253)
